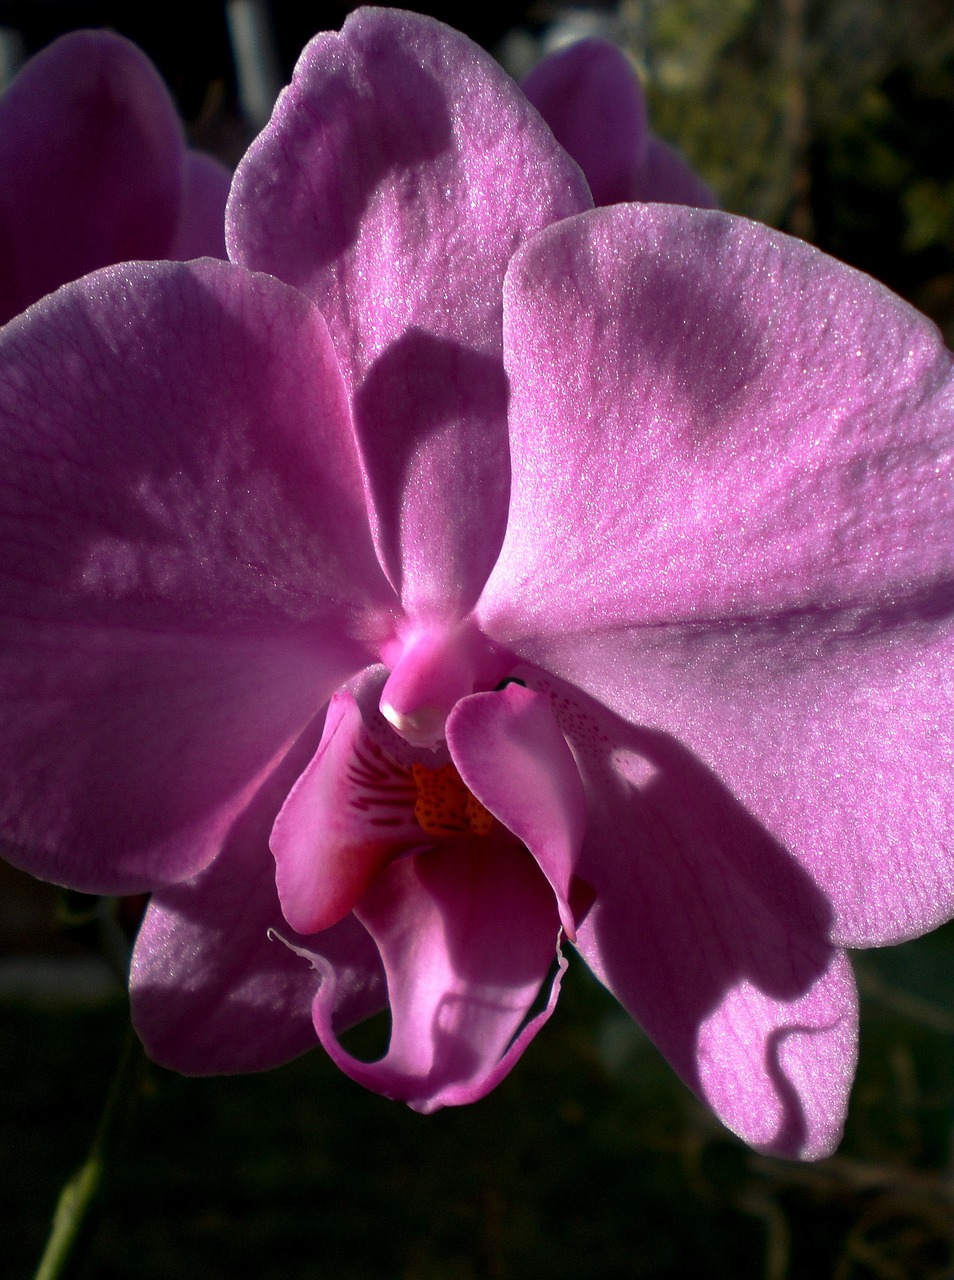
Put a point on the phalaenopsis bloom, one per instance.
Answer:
(95, 170)
(461, 573)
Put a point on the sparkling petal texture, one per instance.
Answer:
(184, 579)
(398, 174)
(719, 382)
(95, 170)
(774, 586)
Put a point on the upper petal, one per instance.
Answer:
(201, 229)
(710, 419)
(184, 578)
(91, 152)
(399, 173)
(591, 98)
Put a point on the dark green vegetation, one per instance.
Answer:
(832, 119)
(590, 1161)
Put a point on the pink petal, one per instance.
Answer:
(348, 815)
(512, 756)
(185, 578)
(213, 989)
(711, 935)
(398, 174)
(201, 229)
(759, 539)
(840, 742)
(591, 98)
(686, 387)
(666, 178)
(91, 153)
(467, 933)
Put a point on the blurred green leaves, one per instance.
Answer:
(832, 119)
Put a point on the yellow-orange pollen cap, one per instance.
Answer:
(444, 806)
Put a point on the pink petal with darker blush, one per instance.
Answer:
(686, 387)
(467, 933)
(181, 570)
(378, 189)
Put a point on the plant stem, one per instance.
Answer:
(82, 1191)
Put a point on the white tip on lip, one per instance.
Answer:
(424, 727)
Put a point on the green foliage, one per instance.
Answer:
(831, 119)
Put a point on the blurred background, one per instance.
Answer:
(834, 120)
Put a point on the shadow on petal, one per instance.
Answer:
(709, 932)
(432, 419)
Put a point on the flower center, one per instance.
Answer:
(444, 806)
(433, 665)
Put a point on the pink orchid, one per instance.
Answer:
(521, 573)
(95, 170)
(591, 98)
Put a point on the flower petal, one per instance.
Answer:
(686, 387)
(91, 152)
(666, 178)
(758, 544)
(201, 229)
(212, 987)
(591, 98)
(398, 174)
(349, 814)
(839, 742)
(512, 756)
(711, 935)
(467, 933)
(185, 579)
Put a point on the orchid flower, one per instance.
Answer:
(461, 573)
(96, 171)
(591, 98)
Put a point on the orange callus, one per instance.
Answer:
(444, 806)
